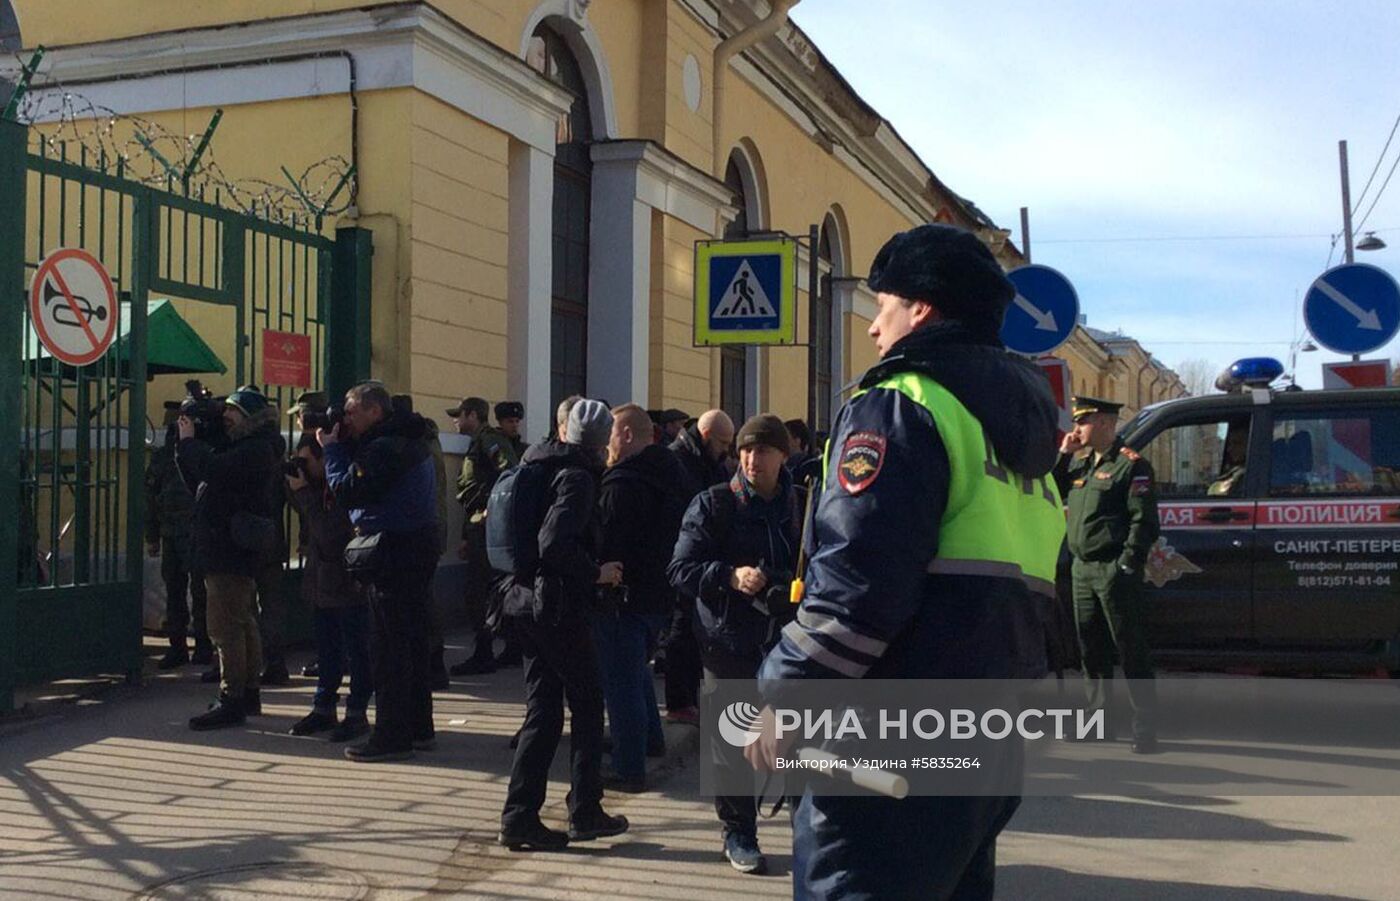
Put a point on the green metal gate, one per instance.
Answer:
(73, 439)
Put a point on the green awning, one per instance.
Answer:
(172, 346)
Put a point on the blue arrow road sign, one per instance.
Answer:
(1042, 314)
(1353, 308)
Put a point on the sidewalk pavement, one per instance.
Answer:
(106, 793)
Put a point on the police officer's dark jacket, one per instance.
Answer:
(236, 477)
(748, 531)
(386, 478)
(701, 469)
(564, 587)
(879, 603)
(640, 506)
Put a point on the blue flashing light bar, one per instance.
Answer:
(1251, 372)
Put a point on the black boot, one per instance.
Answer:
(533, 836)
(313, 722)
(595, 823)
(203, 652)
(176, 656)
(475, 665)
(276, 674)
(227, 711)
(437, 673)
(252, 701)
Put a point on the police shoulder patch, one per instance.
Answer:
(862, 457)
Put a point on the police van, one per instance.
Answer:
(1280, 511)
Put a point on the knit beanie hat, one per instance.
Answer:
(248, 400)
(949, 268)
(590, 424)
(765, 429)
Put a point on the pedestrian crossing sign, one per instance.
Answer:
(746, 292)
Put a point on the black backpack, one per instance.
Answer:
(513, 520)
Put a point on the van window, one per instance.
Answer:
(1200, 459)
(1346, 452)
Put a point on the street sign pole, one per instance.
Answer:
(1346, 202)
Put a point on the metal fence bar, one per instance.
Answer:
(13, 177)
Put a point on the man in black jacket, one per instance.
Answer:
(380, 467)
(551, 606)
(639, 514)
(700, 449)
(234, 537)
(734, 562)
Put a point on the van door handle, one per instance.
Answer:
(1237, 543)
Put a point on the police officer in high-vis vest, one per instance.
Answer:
(1112, 526)
(934, 545)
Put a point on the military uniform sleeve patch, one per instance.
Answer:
(862, 457)
(1141, 485)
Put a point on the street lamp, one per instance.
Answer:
(1370, 242)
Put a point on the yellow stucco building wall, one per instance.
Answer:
(452, 148)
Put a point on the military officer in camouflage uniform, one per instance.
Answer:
(491, 453)
(1112, 526)
(169, 514)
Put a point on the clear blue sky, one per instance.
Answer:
(1215, 122)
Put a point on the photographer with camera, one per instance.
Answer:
(380, 468)
(640, 505)
(169, 536)
(234, 538)
(341, 615)
(735, 560)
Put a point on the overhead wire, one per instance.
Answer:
(1360, 198)
(1379, 194)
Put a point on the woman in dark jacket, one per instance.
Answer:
(735, 558)
(342, 615)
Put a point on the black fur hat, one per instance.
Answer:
(949, 268)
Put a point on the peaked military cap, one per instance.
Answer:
(1087, 406)
(308, 400)
(510, 409)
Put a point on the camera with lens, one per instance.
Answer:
(203, 409)
(326, 419)
(776, 598)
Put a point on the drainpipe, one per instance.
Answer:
(730, 47)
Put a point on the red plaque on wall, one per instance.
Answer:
(286, 359)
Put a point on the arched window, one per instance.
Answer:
(573, 179)
(733, 360)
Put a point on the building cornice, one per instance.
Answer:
(793, 74)
(668, 183)
(403, 45)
